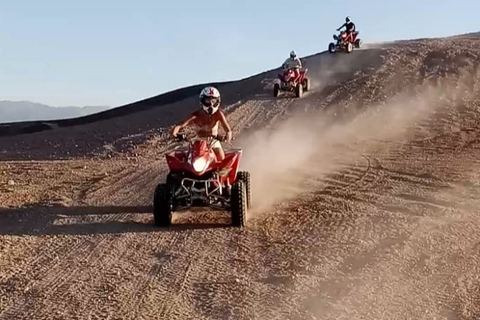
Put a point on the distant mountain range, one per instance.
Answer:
(15, 111)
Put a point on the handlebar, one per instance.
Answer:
(183, 137)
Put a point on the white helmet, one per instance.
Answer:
(293, 54)
(210, 99)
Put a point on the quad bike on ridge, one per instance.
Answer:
(288, 83)
(345, 42)
(197, 179)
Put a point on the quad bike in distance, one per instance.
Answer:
(345, 42)
(289, 83)
(197, 179)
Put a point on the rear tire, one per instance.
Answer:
(245, 177)
(162, 205)
(239, 204)
(358, 43)
(331, 47)
(276, 89)
(299, 90)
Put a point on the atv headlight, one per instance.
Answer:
(199, 164)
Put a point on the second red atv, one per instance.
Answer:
(197, 179)
(345, 42)
(289, 83)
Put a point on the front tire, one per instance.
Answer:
(349, 47)
(162, 205)
(299, 90)
(306, 84)
(239, 204)
(245, 177)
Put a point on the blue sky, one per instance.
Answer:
(110, 52)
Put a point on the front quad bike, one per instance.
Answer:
(345, 42)
(288, 83)
(197, 179)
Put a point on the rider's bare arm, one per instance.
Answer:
(225, 125)
(185, 123)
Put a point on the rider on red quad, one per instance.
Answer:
(207, 119)
(293, 63)
(349, 26)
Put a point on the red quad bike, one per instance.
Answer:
(345, 42)
(197, 179)
(289, 83)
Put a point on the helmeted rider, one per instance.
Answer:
(293, 63)
(349, 26)
(207, 119)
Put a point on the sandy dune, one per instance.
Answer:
(366, 200)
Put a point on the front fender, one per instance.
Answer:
(175, 164)
(231, 161)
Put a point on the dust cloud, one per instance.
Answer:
(305, 147)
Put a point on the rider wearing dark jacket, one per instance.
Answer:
(349, 26)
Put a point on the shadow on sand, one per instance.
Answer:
(88, 220)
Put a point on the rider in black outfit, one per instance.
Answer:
(349, 26)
